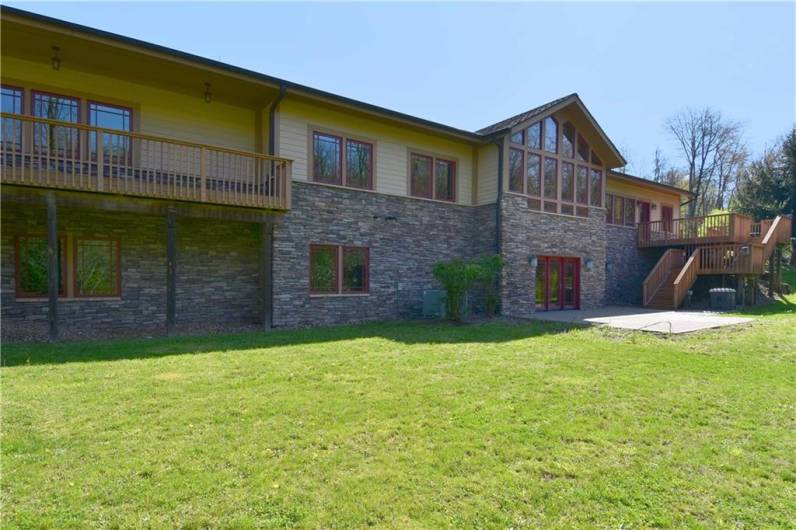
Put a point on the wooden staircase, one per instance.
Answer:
(668, 283)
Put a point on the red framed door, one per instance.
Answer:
(557, 283)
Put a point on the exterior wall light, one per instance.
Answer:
(533, 261)
(208, 93)
(56, 58)
(588, 263)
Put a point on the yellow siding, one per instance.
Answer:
(487, 174)
(156, 111)
(297, 118)
(657, 197)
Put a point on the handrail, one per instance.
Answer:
(49, 153)
(686, 278)
(660, 273)
(731, 259)
(138, 135)
(726, 227)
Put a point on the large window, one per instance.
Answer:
(620, 210)
(54, 139)
(432, 178)
(338, 269)
(97, 267)
(561, 173)
(337, 159)
(31, 267)
(11, 103)
(115, 147)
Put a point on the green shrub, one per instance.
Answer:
(458, 277)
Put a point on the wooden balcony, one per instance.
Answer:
(48, 153)
(709, 229)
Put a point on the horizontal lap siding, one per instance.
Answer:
(487, 174)
(392, 146)
(156, 111)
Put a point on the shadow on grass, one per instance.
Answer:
(404, 332)
(785, 305)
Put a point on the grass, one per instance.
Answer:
(406, 425)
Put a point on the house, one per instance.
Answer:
(144, 188)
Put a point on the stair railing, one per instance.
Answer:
(686, 278)
(670, 260)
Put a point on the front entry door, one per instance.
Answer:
(557, 283)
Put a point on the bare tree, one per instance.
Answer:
(731, 158)
(663, 173)
(706, 141)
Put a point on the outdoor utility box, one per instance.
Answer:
(434, 303)
(722, 299)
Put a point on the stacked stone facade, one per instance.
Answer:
(528, 233)
(627, 265)
(217, 274)
(405, 237)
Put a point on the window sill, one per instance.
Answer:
(339, 295)
(74, 299)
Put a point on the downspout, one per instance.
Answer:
(499, 208)
(272, 120)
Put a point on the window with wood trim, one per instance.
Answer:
(621, 211)
(431, 177)
(562, 174)
(115, 147)
(339, 269)
(31, 263)
(97, 268)
(11, 102)
(341, 160)
(55, 139)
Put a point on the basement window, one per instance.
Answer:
(339, 269)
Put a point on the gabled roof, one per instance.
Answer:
(549, 108)
(508, 123)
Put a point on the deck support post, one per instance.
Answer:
(52, 268)
(171, 269)
(267, 273)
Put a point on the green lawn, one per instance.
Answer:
(406, 425)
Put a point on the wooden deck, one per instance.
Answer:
(708, 229)
(48, 153)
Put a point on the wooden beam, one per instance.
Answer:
(171, 270)
(267, 273)
(52, 267)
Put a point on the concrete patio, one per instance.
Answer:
(637, 318)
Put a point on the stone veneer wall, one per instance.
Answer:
(405, 236)
(217, 274)
(526, 232)
(627, 265)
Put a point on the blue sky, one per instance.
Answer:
(469, 65)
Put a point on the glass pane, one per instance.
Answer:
(534, 135)
(323, 269)
(567, 209)
(596, 187)
(518, 137)
(115, 148)
(515, 170)
(609, 208)
(569, 283)
(421, 176)
(12, 129)
(540, 283)
(359, 164)
(567, 182)
(582, 185)
(53, 139)
(444, 185)
(355, 263)
(630, 212)
(554, 281)
(619, 210)
(96, 267)
(551, 135)
(583, 149)
(568, 140)
(33, 266)
(327, 158)
(550, 178)
(534, 175)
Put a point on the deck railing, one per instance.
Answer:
(720, 228)
(731, 259)
(686, 278)
(55, 154)
(671, 260)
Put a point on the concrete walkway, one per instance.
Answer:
(644, 319)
